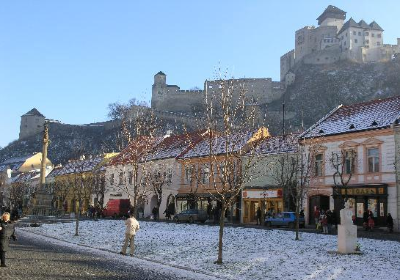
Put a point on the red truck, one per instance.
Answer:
(117, 207)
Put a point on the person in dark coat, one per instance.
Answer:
(389, 222)
(258, 215)
(7, 231)
(365, 220)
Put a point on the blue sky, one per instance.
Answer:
(70, 59)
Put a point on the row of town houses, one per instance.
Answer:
(366, 134)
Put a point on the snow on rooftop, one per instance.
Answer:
(358, 117)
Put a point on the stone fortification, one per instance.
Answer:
(170, 98)
(333, 40)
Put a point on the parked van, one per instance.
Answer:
(116, 207)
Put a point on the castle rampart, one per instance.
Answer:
(172, 99)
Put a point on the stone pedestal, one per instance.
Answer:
(347, 239)
(347, 232)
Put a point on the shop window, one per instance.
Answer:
(318, 165)
(373, 160)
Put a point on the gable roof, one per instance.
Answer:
(136, 150)
(176, 145)
(33, 112)
(361, 24)
(350, 23)
(14, 163)
(226, 143)
(364, 25)
(370, 115)
(331, 12)
(375, 26)
(278, 144)
(77, 166)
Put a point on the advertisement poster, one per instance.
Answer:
(360, 210)
(372, 205)
(381, 210)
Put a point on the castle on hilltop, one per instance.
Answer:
(170, 98)
(331, 41)
(334, 40)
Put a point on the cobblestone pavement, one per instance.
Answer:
(31, 259)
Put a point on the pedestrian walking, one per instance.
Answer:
(132, 226)
(329, 217)
(7, 231)
(365, 220)
(324, 223)
(389, 222)
(316, 216)
(155, 213)
(371, 221)
(167, 214)
(258, 215)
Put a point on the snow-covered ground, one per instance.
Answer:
(248, 253)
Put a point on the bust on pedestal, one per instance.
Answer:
(347, 232)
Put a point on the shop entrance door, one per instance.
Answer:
(253, 211)
(320, 201)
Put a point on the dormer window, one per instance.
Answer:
(374, 123)
(320, 131)
(352, 126)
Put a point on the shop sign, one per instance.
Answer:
(359, 191)
(115, 194)
(261, 194)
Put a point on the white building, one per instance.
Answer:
(363, 138)
(158, 172)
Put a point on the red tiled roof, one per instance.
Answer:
(370, 115)
(176, 145)
(136, 150)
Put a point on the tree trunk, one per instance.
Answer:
(77, 214)
(221, 233)
(297, 218)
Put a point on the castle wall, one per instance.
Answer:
(287, 62)
(31, 125)
(261, 90)
(311, 39)
(338, 23)
(327, 56)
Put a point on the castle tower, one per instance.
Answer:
(159, 89)
(332, 16)
(31, 123)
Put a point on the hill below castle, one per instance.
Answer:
(316, 91)
(320, 88)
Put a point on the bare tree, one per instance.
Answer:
(343, 163)
(230, 120)
(99, 187)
